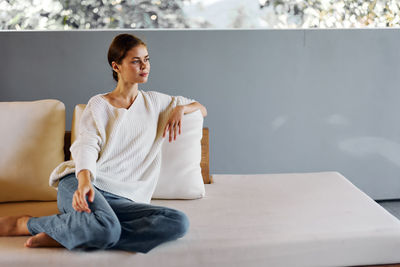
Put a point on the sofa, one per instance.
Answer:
(286, 219)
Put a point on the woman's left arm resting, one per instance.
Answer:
(174, 125)
(189, 108)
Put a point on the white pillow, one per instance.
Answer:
(31, 145)
(180, 175)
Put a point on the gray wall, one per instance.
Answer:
(277, 100)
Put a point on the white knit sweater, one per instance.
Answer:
(121, 147)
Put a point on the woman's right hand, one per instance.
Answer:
(85, 188)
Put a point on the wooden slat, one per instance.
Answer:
(205, 157)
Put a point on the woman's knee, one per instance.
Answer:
(180, 223)
(68, 182)
(66, 189)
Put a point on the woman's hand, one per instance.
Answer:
(174, 123)
(85, 187)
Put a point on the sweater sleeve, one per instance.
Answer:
(85, 150)
(181, 100)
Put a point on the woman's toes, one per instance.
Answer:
(28, 243)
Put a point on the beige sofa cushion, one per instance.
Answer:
(31, 145)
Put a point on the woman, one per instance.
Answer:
(104, 192)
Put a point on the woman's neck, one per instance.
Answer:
(125, 91)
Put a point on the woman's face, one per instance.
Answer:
(135, 67)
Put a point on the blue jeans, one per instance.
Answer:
(114, 222)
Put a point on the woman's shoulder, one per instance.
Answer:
(97, 102)
(97, 106)
(154, 94)
(158, 98)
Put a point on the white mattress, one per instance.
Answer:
(309, 219)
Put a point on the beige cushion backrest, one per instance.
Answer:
(31, 145)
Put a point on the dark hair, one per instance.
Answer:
(119, 46)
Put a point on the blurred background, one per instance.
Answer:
(249, 14)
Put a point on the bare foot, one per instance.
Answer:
(41, 240)
(14, 225)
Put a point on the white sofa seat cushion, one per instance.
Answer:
(279, 220)
(32, 145)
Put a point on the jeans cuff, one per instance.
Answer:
(29, 226)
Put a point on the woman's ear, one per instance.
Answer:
(115, 66)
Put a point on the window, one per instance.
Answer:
(225, 14)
